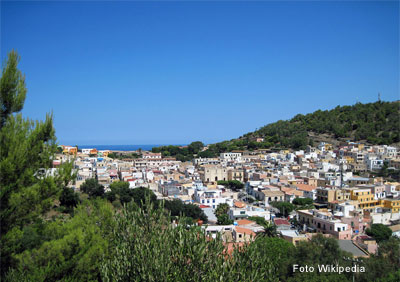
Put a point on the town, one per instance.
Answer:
(339, 191)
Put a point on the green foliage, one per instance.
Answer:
(175, 207)
(234, 185)
(380, 232)
(121, 156)
(183, 154)
(178, 208)
(221, 209)
(140, 195)
(12, 88)
(275, 252)
(178, 253)
(285, 208)
(385, 265)
(259, 220)
(269, 230)
(377, 123)
(120, 190)
(224, 219)
(92, 188)
(302, 201)
(193, 211)
(27, 190)
(69, 198)
(73, 249)
(320, 251)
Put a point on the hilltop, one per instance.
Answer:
(372, 123)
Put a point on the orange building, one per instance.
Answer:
(70, 150)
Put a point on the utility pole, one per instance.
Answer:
(379, 97)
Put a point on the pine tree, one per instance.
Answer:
(26, 151)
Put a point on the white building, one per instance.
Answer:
(374, 164)
(231, 156)
(211, 198)
(240, 213)
(87, 151)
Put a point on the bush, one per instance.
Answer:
(380, 232)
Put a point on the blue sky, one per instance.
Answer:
(174, 72)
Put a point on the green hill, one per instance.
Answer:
(373, 123)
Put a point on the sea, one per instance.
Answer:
(146, 147)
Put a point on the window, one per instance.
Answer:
(240, 235)
(213, 200)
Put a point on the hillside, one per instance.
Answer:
(373, 123)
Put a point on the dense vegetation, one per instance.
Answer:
(375, 123)
(120, 194)
(234, 185)
(27, 191)
(380, 232)
(90, 239)
(181, 153)
(123, 155)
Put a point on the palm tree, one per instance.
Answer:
(269, 230)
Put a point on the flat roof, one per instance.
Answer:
(348, 246)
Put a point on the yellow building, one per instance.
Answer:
(70, 150)
(393, 204)
(104, 153)
(329, 195)
(349, 160)
(364, 197)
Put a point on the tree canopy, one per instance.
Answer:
(92, 187)
(181, 153)
(234, 185)
(380, 232)
(29, 186)
(376, 123)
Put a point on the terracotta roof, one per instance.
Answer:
(295, 192)
(244, 231)
(281, 221)
(244, 222)
(286, 189)
(239, 204)
(305, 187)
